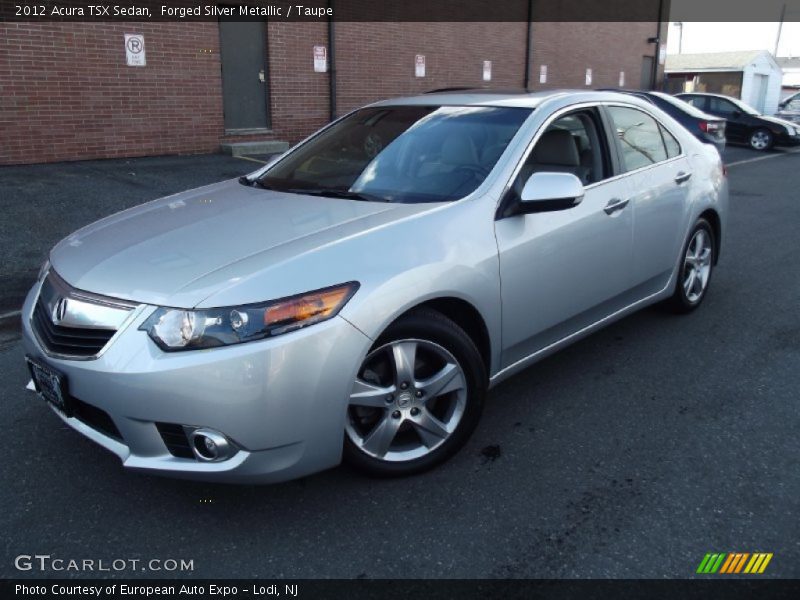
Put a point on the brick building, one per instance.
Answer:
(68, 94)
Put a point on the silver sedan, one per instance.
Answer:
(358, 296)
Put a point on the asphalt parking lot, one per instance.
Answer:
(632, 453)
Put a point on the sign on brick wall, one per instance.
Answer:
(320, 59)
(134, 50)
(419, 65)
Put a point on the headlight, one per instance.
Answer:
(43, 270)
(179, 329)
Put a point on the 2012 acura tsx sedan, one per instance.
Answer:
(358, 296)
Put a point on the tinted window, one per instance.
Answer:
(696, 101)
(638, 138)
(793, 105)
(720, 106)
(401, 153)
(673, 147)
(665, 101)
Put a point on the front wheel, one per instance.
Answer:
(695, 272)
(417, 397)
(760, 139)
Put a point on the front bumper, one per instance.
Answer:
(787, 140)
(282, 402)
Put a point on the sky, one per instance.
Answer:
(722, 37)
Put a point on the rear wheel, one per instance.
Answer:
(760, 139)
(695, 272)
(417, 397)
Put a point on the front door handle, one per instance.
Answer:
(682, 177)
(614, 205)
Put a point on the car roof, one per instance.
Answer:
(493, 97)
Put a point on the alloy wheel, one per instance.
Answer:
(407, 400)
(697, 266)
(760, 140)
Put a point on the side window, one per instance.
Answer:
(793, 105)
(718, 106)
(696, 101)
(673, 147)
(570, 144)
(638, 138)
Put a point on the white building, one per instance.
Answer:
(752, 76)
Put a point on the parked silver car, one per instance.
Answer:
(358, 296)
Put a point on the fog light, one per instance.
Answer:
(210, 446)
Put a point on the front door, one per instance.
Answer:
(244, 74)
(646, 77)
(564, 270)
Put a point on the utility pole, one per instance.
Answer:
(679, 25)
(780, 28)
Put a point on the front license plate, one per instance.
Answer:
(50, 384)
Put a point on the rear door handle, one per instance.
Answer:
(682, 177)
(614, 205)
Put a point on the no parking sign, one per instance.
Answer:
(134, 50)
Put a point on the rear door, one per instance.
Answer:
(564, 270)
(658, 176)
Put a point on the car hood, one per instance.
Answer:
(777, 121)
(178, 250)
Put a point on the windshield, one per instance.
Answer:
(405, 154)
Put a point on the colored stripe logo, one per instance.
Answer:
(734, 562)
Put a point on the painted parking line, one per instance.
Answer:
(263, 162)
(8, 315)
(756, 159)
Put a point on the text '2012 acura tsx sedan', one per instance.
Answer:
(358, 296)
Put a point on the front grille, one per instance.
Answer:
(94, 418)
(175, 439)
(69, 341)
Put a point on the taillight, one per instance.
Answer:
(712, 126)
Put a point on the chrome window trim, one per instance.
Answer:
(574, 107)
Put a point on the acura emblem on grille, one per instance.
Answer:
(59, 311)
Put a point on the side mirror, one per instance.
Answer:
(736, 114)
(545, 192)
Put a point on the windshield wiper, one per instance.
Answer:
(337, 193)
(253, 183)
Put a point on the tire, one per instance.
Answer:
(761, 140)
(394, 431)
(696, 267)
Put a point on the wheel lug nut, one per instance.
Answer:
(404, 386)
(418, 394)
(389, 399)
(396, 414)
(414, 411)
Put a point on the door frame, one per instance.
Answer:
(267, 93)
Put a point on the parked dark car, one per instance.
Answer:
(705, 127)
(745, 124)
